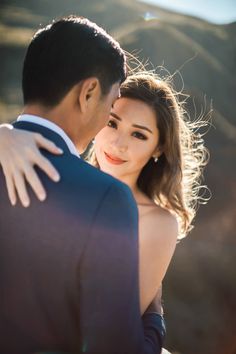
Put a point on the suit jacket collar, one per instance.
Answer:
(46, 132)
(50, 125)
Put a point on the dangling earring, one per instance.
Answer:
(155, 159)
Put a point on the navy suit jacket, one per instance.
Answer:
(69, 266)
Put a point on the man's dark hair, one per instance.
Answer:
(66, 52)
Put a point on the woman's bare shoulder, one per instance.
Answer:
(159, 223)
(159, 214)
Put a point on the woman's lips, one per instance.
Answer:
(113, 159)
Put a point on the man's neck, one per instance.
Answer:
(57, 115)
(50, 114)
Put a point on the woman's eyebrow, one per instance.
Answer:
(134, 125)
(115, 115)
(142, 127)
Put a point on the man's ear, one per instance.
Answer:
(89, 91)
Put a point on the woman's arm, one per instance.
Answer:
(158, 233)
(19, 152)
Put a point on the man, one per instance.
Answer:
(69, 266)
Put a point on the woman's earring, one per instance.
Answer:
(155, 159)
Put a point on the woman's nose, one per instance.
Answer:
(121, 143)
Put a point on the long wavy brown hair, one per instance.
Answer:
(174, 182)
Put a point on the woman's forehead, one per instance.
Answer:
(133, 110)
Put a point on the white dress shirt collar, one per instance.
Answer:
(52, 126)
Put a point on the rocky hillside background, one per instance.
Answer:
(200, 287)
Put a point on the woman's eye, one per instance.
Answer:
(139, 136)
(112, 124)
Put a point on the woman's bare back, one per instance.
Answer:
(158, 231)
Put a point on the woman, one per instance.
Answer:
(148, 144)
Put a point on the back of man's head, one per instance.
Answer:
(65, 52)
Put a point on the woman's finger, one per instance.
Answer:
(10, 187)
(35, 183)
(47, 144)
(45, 165)
(19, 182)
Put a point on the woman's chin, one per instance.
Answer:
(110, 171)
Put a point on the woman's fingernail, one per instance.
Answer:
(42, 197)
(26, 203)
(60, 151)
(56, 178)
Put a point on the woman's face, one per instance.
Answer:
(129, 140)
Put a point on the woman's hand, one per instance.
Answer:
(19, 152)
